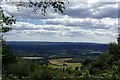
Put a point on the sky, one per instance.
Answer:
(88, 21)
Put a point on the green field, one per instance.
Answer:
(59, 63)
(71, 67)
(97, 52)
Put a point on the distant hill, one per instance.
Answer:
(71, 49)
(57, 45)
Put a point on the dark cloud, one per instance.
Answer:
(83, 11)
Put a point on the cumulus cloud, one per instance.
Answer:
(93, 22)
(58, 32)
(25, 26)
(68, 36)
(96, 10)
(30, 26)
(73, 9)
(88, 23)
(27, 13)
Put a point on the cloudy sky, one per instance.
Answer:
(88, 21)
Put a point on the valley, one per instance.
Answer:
(58, 54)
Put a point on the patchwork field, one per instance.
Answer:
(97, 52)
(53, 56)
(32, 57)
(59, 61)
(72, 64)
(69, 65)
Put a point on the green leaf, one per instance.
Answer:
(64, 13)
(3, 15)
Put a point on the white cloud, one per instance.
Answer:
(27, 13)
(87, 23)
(59, 33)
(73, 9)
(83, 23)
(62, 0)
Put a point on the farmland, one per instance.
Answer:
(58, 54)
(59, 61)
(55, 63)
(32, 57)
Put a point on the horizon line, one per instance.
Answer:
(60, 42)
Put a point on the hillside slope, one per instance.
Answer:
(107, 65)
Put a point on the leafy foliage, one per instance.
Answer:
(42, 5)
(6, 21)
(107, 65)
(7, 54)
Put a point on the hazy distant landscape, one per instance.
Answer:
(52, 48)
(58, 53)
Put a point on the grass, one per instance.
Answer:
(97, 52)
